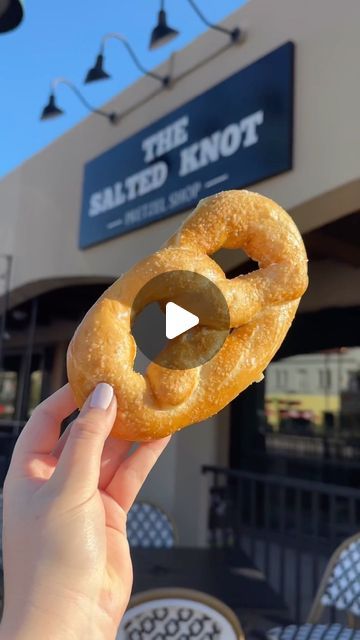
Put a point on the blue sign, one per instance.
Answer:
(233, 135)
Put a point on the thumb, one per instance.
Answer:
(78, 467)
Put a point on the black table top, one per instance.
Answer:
(227, 574)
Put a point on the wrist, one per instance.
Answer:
(75, 622)
(33, 624)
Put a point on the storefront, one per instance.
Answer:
(276, 112)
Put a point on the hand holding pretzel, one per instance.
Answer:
(261, 305)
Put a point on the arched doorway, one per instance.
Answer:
(35, 340)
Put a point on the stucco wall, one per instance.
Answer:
(331, 284)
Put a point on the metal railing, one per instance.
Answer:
(289, 527)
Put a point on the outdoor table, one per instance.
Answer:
(227, 574)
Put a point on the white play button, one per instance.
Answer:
(178, 320)
(186, 332)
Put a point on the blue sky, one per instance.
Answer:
(62, 39)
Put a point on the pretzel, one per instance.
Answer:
(261, 304)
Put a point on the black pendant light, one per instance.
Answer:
(162, 33)
(97, 72)
(51, 110)
(11, 14)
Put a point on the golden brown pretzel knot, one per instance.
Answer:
(261, 305)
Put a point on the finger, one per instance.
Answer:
(133, 472)
(41, 432)
(78, 467)
(114, 452)
(56, 452)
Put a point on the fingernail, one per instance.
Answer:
(101, 396)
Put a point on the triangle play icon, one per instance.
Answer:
(178, 320)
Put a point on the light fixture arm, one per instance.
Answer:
(118, 36)
(112, 117)
(234, 34)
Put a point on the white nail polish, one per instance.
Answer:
(101, 396)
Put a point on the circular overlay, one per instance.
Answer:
(193, 293)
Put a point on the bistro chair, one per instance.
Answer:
(340, 590)
(314, 632)
(340, 586)
(148, 526)
(178, 614)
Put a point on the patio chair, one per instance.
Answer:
(178, 614)
(339, 589)
(340, 585)
(314, 632)
(149, 526)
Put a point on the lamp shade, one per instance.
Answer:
(97, 72)
(11, 14)
(51, 110)
(162, 33)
